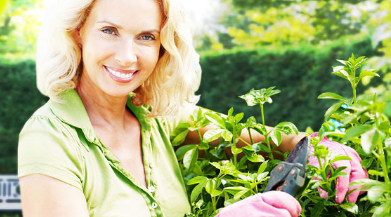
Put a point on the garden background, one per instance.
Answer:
(243, 44)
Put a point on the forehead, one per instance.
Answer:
(127, 12)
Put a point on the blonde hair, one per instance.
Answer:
(173, 82)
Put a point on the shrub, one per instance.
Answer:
(216, 180)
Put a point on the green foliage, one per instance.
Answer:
(19, 23)
(364, 127)
(221, 180)
(255, 23)
(215, 179)
(301, 72)
(381, 40)
(19, 99)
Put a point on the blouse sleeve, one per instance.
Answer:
(47, 146)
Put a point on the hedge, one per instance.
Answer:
(19, 99)
(301, 73)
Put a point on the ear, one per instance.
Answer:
(77, 36)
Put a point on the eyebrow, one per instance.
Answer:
(120, 27)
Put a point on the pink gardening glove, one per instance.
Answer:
(271, 203)
(354, 169)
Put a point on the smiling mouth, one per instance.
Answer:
(124, 74)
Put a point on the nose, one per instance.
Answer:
(126, 54)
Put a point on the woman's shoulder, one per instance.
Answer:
(42, 119)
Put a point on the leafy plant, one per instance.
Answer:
(364, 127)
(228, 172)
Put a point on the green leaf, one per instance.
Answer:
(350, 207)
(239, 117)
(262, 147)
(385, 126)
(262, 176)
(262, 168)
(368, 73)
(337, 173)
(375, 173)
(340, 158)
(375, 192)
(262, 96)
(366, 163)
(236, 150)
(318, 208)
(287, 128)
(215, 193)
(342, 61)
(339, 71)
(250, 98)
(256, 158)
(370, 140)
(260, 128)
(356, 132)
(182, 151)
(276, 136)
(230, 112)
(203, 146)
(240, 194)
(215, 164)
(216, 119)
(197, 190)
(210, 185)
(196, 180)
(212, 135)
(387, 143)
(180, 138)
(330, 95)
(227, 135)
(190, 158)
(332, 109)
(234, 190)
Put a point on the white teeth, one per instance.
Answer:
(119, 74)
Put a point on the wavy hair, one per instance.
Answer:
(173, 82)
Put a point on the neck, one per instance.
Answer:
(103, 109)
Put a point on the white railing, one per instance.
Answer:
(9, 193)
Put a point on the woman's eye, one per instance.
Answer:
(108, 31)
(147, 37)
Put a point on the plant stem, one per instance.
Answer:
(249, 134)
(199, 134)
(263, 116)
(234, 144)
(267, 135)
(214, 204)
(244, 141)
(383, 164)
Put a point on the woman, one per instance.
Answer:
(121, 75)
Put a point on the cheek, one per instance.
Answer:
(151, 57)
(96, 50)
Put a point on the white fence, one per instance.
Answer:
(9, 193)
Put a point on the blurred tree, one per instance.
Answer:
(3, 4)
(262, 4)
(18, 26)
(250, 23)
(381, 39)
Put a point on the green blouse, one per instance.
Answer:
(59, 141)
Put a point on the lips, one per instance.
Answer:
(121, 75)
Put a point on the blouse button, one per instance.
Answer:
(151, 188)
(154, 205)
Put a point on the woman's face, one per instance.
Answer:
(120, 45)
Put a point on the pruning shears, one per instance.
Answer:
(289, 176)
